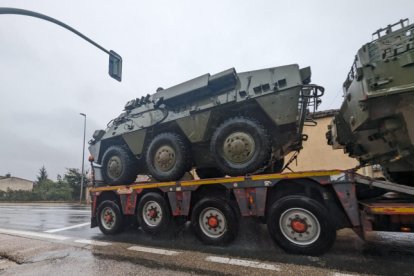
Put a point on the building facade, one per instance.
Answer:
(15, 183)
(318, 155)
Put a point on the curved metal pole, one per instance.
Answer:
(115, 61)
(50, 19)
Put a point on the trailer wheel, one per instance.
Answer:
(168, 157)
(109, 216)
(118, 166)
(301, 225)
(153, 213)
(240, 145)
(214, 221)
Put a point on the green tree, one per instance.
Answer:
(73, 178)
(42, 175)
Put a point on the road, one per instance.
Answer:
(67, 228)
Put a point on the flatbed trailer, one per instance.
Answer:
(302, 210)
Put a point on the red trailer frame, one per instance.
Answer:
(326, 199)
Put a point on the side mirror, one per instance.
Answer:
(115, 65)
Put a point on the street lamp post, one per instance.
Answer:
(83, 155)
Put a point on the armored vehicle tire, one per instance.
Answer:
(276, 167)
(167, 157)
(214, 221)
(240, 145)
(208, 173)
(301, 225)
(118, 166)
(153, 214)
(109, 217)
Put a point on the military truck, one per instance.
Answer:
(374, 122)
(228, 123)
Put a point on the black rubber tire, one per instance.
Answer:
(129, 169)
(113, 207)
(166, 219)
(204, 173)
(260, 137)
(276, 167)
(229, 214)
(182, 156)
(131, 222)
(327, 234)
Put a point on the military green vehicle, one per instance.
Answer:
(373, 124)
(224, 124)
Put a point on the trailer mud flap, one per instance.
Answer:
(128, 203)
(347, 196)
(251, 201)
(180, 202)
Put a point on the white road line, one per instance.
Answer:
(32, 234)
(239, 262)
(57, 211)
(67, 228)
(92, 242)
(343, 274)
(154, 250)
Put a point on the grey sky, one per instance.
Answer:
(48, 75)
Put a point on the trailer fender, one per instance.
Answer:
(251, 201)
(180, 202)
(346, 194)
(128, 201)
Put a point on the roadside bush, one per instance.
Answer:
(66, 188)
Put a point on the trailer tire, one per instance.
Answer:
(109, 217)
(301, 225)
(153, 214)
(214, 221)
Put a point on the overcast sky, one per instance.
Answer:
(48, 75)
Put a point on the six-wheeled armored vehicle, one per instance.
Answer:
(373, 123)
(224, 124)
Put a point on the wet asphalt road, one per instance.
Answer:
(382, 254)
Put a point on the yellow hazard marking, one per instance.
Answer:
(220, 180)
(294, 175)
(153, 185)
(393, 210)
(134, 186)
(213, 181)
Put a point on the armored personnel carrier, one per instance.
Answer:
(224, 124)
(373, 121)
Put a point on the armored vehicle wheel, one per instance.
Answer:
(118, 166)
(167, 157)
(209, 173)
(240, 145)
(214, 221)
(301, 225)
(153, 213)
(276, 167)
(110, 220)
